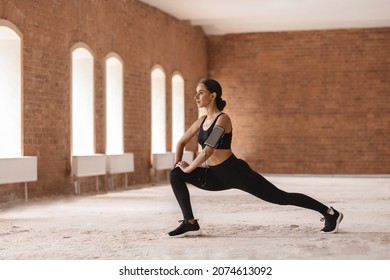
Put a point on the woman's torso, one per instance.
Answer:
(221, 154)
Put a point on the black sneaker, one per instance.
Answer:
(186, 229)
(332, 222)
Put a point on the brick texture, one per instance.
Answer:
(314, 102)
(301, 102)
(142, 35)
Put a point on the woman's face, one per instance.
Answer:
(203, 97)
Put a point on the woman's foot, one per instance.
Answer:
(186, 228)
(332, 221)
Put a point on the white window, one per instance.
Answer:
(82, 102)
(178, 125)
(114, 105)
(10, 91)
(158, 111)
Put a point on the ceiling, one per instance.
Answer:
(219, 17)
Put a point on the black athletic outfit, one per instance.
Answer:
(233, 173)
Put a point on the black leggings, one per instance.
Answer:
(235, 173)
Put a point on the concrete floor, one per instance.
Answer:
(132, 224)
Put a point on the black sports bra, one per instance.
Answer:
(224, 143)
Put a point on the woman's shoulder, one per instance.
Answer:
(224, 116)
(225, 121)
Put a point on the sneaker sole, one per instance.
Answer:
(338, 221)
(189, 233)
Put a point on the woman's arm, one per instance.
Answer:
(203, 156)
(191, 132)
(224, 122)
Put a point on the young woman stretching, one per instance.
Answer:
(216, 167)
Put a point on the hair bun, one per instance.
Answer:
(221, 104)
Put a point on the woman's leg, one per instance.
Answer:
(269, 192)
(241, 176)
(201, 178)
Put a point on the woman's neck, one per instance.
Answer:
(212, 113)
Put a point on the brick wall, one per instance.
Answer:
(301, 102)
(308, 102)
(141, 35)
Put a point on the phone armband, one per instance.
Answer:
(215, 136)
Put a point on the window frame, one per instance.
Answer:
(72, 49)
(164, 104)
(118, 57)
(14, 28)
(182, 109)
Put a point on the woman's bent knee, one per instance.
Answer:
(176, 173)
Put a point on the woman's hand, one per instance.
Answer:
(183, 166)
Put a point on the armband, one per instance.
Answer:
(215, 136)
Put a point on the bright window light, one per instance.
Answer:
(10, 94)
(82, 103)
(114, 106)
(158, 112)
(178, 124)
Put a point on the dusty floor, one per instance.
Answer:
(133, 224)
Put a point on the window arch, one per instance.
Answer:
(114, 104)
(178, 118)
(158, 111)
(83, 137)
(10, 90)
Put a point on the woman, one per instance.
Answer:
(216, 167)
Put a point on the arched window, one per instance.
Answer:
(178, 125)
(114, 105)
(82, 101)
(10, 91)
(158, 111)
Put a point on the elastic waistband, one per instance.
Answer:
(228, 161)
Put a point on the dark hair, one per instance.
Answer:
(214, 86)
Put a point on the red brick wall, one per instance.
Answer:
(308, 102)
(141, 35)
(301, 102)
